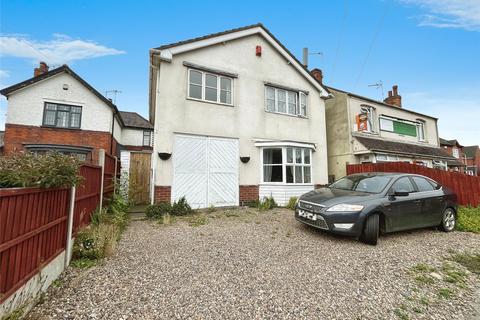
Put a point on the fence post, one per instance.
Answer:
(101, 163)
(68, 249)
(115, 174)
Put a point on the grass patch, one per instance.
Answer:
(197, 220)
(424, 301)
(468, 219)
(445, 293)
(57, 283)
(83, 263)
(422, 267)
(401, 314)
(469, 261)
(453, 275)
(424, 279)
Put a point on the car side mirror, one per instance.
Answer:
(395, 193)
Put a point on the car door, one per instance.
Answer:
(403, 212)
(433, 201)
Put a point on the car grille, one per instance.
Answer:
(310, 206)
(319, 223)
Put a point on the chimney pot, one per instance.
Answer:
(390, 93)
(317, 74)
(42, 68)
(395, 90)
(393, 97)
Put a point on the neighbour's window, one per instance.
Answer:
(287, 165)
(365, 121)
(423, 184)
(147, 138)
(455, 152)
(209, 87)
(403, 127)
(403, 185)
(61, 115)
(285, 101)
(421, 130)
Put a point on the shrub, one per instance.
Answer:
(181, 207)
(48, 170)
(468, 219)
(267, 203)
(292, 203)
(156, 211)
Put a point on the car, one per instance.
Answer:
(365, 205)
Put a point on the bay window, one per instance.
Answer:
(289, 165)
(209, 87)
(285, 101)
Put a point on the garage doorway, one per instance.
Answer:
(205, 170)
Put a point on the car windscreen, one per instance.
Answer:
(362, 183)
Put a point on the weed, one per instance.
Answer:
(197, 220)
(422, 267)
(16, 314)
(445, 293)
(417, 310)
(57, 283)
(424, 301)
(468, 219)
(292, 202)
(267, 203)
(401, 314)
(83, 263)
(424, 279)
(469, 261)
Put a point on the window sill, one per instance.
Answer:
(287, 114)
(211, 102)
(60, 128)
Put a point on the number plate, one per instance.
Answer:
(308, 215)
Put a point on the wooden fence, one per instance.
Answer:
(33, 231)
(466, 187)
(33, 223)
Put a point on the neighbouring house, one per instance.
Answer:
(237, 118)
(472, 155)
(455, 149)
(364, 130)
(58, 110)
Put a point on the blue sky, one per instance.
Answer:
(430, 48)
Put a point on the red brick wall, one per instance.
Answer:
(18, 135)
(162, 194)
(248, 193)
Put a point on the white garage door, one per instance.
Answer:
(205, 170)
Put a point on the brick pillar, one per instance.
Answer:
(162, 194)
(248, 193)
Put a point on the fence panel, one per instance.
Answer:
(466, 187)
(109, 174)
(33, 226)
(87, 196)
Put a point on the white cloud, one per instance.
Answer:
(61, 49)
(463, 14)
(456, 116)
(4, 74)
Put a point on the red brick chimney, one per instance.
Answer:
(393, 97)
(42, 68)
(317, 74)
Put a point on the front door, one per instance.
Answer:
(403, 212)
(139, 178)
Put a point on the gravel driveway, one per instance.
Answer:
(245, 264)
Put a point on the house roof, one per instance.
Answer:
(380, 102)
(453, 142)
(403, 148)
(134, 120)
(64, 68)
(470, 151)
(299, 65)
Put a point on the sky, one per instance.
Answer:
(429, 48)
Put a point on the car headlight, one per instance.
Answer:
(346, 207)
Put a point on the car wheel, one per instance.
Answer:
(370, 232)
(449, 220)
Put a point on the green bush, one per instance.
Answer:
(156, 211)
(267, 203)
(181, 207)
(48, 170)
(292, 202)
(468, 219)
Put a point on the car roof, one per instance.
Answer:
(391, 174)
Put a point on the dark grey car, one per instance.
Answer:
(364, 205)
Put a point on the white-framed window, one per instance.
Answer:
(287, 165)
(210, 87)
(368, 124)
(285, 101)
(455, 152)
(421, 130)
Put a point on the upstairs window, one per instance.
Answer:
(365, 120)
(62, 116)
(455, 152)
(209, 87)
(285, 101)
(402, 127)
(421, 130)
(147, 138)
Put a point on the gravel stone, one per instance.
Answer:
(246, 264)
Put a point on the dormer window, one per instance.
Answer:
(284, 101)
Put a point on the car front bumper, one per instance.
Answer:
(335, 222)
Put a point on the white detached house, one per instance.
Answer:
(237, 118)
